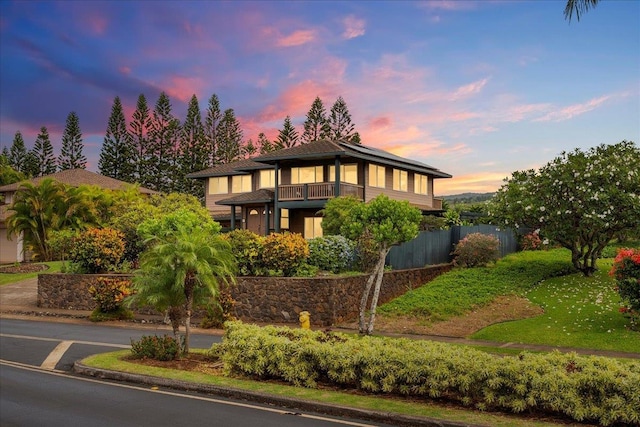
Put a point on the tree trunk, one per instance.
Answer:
(188, 305)
(175, 316)
(364, 328)
(376, 290)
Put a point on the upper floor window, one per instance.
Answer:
(241, 184)
(348, 173)
(399, 180)
(284, 218)
(420, 185)
(377, 176)
(307, 175)
(268, 178)
(219, 185)
(312, 227)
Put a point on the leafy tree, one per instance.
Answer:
(336, 212)
(117, 157)
(340, 124)
(388, 223)
(192, 151)
(229, 138)
(184, 267)
(71, 156)
(579, 7)
(316, 126)
(43, 150)
(18, 153)
(139, 129)
(161, 157)
(211, 122)
(288, 136)
(9, 175)
(580, 200)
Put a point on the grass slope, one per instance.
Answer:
(7, 278)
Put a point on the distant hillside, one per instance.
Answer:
(468, 198)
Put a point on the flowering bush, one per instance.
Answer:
(626, 270)
(109, 292)
(531, 242)
(476, 250)
(246, 247)
(157, 348)
(331, 253)
(98, 250)
(284, 252)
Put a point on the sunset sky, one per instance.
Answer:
(478, 89)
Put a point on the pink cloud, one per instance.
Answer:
(482, 182)
(183, 88)
(450, 5)
(353, 27)
(297, 38)
(124, 70)
(97, 23)
(574, 110)
(471, 89)
(382, 122)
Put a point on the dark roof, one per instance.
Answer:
(260, 196)
(234, 168)
(76, 178)
(314, 149)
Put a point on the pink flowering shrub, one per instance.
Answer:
(531, 242)
(626, 270)
(476, 250)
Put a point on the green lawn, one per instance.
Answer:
(7, 278)
(579, 312)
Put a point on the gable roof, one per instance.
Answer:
(76, 178)
(260, 196)
(234, 168)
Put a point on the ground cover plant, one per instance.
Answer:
(578, 312)
(461, 290)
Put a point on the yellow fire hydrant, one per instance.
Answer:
(305, 320)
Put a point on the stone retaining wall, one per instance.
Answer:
(330, 300)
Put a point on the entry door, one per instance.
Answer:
(255, 221)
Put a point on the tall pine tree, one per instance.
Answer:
(43, 151)
(316, 126)
(117, 157)
(71, 156)
(340, 123)
(31, 166)
(193, 155)
(264, 145)
(288, 136)
(229, 135)
(18, 153)
(249, 149)
(211, 122)
(139, 128)
(161, 157)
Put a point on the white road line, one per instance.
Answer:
(54, 357)
(26, 337)
(19, 365)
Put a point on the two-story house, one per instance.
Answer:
(286, 189)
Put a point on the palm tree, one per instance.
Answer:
(579, 7)
(184, 268)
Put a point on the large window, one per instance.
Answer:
(284, 219)
(399, 180)
(420, 185)
(219, 185)
(377, 176)
(241, 184)
(348, 173)
(268, 178)
(312, 227)
(307, 175)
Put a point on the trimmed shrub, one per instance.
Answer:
(109, 293)
(585, 389)
(476, 250)
(157, 348)
(332, 253)
(98, 250)
(220, 311)
(284, 252)
(247, 247)
(626, 270)
(531, 242)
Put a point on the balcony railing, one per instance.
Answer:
(318, 191)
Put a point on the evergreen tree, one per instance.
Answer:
(139, 136)
(5, 154)
(43, 151)
(71, 156)
(340, 122)
(161, 157)
(193, 155)
(211, 122)
(288, 136)
(18, 153)
(31, 166)
(117, 154)
(264, 145)
(316, 126)
(229, 135)
(249, 149)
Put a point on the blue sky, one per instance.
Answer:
(478, 89)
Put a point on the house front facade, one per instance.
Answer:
(285, 190)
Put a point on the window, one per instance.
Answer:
(284, 218)
(219, 185)
(399, 180)
(312, 227)
(241, 184)
(377, 176)
(348, 173)
(420, 185)
(307, 175)
(268, 178)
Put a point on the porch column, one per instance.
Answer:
(267, 218)
(337, 188)
(276, 201)
(233, 217)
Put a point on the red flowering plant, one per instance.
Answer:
(626, 270)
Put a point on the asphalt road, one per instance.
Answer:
(37, 388)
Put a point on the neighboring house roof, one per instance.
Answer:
(77, 177)
(255, 197)
(234, 168)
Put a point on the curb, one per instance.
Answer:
(270, 399)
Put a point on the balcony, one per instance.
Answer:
(318, 191)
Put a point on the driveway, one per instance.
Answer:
(20, 294)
